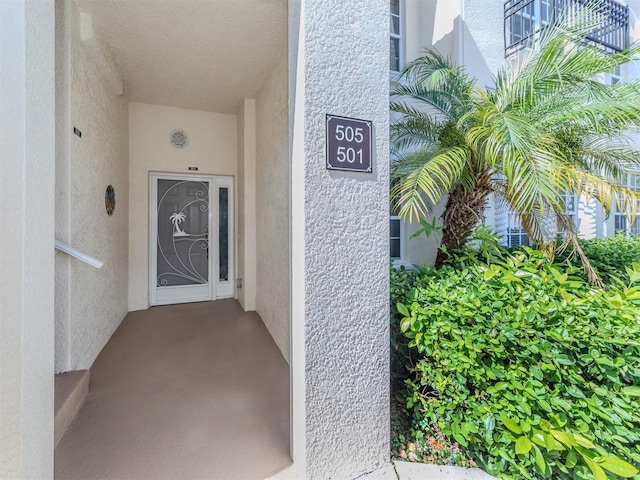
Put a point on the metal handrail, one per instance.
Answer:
(74, 252)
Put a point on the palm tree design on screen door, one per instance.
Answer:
(177, 218)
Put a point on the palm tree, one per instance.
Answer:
(547, 127)
(177, 219)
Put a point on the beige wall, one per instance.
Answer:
(90, 303)
(27, 160)
(246, 229)
(212, 147)
(272, 205)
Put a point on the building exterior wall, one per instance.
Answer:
(482, 42)
(27, 161)
(247, 204)
(272, 205)
(63, 187)
(212, 147)
(340, 246)
(90, 303)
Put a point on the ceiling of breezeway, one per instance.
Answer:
(199, 54)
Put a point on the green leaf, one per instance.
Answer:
(580, 440)
(539, 459)
(537, 373)
(402, 309)
(576, 392)
(545, 424)
(490, 424)
(405, 324)
(550, 442)
(523, 445)
(510, 424)
(564, 360)
(489, 273)
(563, 438)
(598, 472)
(544, 405)
(634, 273)
(633, 391)
(572, 459)
(617, 466)
(460, 439)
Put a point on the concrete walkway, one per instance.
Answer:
(194, 391)
(422, 471)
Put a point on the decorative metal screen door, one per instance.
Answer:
(191, 238)
(180, 252)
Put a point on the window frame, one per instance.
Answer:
(396, 36)
(620, 217)
(514, 228)
(611, 37)
(399, 239)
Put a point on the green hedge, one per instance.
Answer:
(608, 256)
(526, 366)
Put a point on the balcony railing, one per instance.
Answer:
(525, 18)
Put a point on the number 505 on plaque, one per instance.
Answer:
(349, 144)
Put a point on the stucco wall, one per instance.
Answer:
(272, 205)
(345, 261)
(429, 23)
(96, 300)
(483, 40)
(27, 159)
(63, 188)
(246, 229)
(212, 148)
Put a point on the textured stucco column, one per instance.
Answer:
(27, 159)
(340, 249)
(247, 204)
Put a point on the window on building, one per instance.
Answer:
(570, 208)
(546, 11)
(509, 226)
(621, 219)
(395, 57)
(395, 236)
(521, 23)
(523, 18)
(516, 234)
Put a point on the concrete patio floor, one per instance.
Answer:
(188, 391)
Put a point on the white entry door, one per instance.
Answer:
(191, 238)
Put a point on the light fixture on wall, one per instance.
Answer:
(179, 139)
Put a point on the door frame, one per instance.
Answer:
(217, 289)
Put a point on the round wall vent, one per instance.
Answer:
(179, 139)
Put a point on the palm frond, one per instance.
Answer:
(421, 180)
(414, 132)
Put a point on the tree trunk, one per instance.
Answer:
(464, 210)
